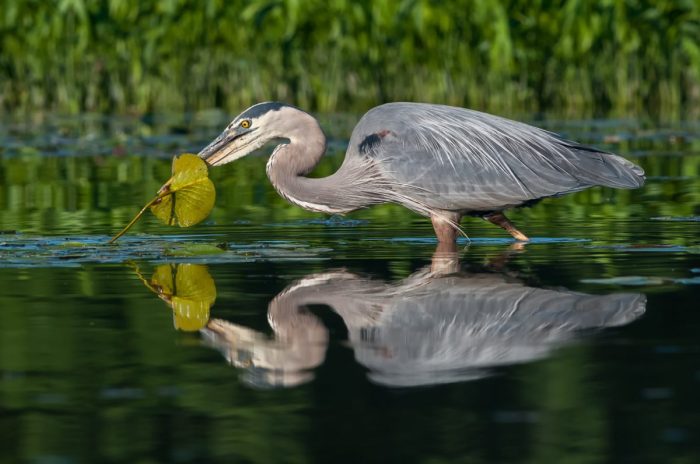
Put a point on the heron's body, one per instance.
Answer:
(439, 161)
(426, 329)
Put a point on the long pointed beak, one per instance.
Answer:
(214, 153)
(227, 147)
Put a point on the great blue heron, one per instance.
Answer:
(439, 161)
(429, 328)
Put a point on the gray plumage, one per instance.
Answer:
(439, 161)
(427, 329)
(463, 160)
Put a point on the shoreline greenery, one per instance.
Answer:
(617, 57)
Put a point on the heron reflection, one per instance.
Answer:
(439, 325)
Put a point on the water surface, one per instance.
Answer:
(271, 334)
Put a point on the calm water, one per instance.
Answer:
(269, 334)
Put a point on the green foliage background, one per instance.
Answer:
(566, 56)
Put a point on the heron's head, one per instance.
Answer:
(249, 131)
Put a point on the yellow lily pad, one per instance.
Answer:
(188, 197)
(189, 290)
(185, 199)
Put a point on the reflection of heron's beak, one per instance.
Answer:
(267, 362)
(227, 147)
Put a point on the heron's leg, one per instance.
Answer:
(502, 221)
(445, 230)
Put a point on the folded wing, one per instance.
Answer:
(458, 159)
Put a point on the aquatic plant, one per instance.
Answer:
(185, 199)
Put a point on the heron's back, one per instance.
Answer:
(454, 326)
(457, 159)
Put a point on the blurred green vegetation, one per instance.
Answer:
(100, 195)
(507, 56)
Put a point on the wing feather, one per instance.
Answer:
(459, 159)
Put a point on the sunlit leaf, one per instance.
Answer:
(189, 290)
(185, 199)
(188, 197)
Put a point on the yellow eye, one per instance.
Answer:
(245, 123)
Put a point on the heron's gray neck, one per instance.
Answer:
(338, 193)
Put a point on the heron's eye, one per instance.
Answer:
(245, 123)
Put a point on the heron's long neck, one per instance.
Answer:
(340, 192)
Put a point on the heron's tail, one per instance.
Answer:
(608, 170)
(625, 174)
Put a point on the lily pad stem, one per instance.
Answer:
(138, 216)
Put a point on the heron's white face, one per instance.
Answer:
(247, 132)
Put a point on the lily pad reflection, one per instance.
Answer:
(188, 289)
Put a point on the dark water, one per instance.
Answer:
(269, 334)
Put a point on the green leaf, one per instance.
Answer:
(194, 249)
(186, 198)
(189, 290)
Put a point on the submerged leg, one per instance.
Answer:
(444, 225)
(502, 221)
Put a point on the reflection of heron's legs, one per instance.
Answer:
(445, 259)
(499, 262)
(516, 246)
(502, 221)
